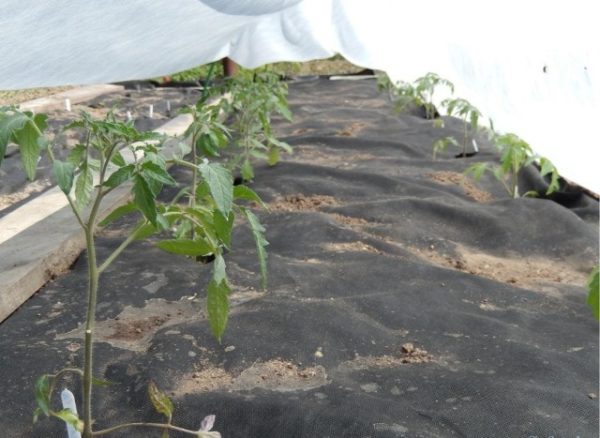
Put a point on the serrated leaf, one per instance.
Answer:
(76, 155)
(157, 173)
(143, 198)
(223, 226)
(9, 123)
(246, 193)
(64, 173)
(186, 247)
(70, 417)
(593, 286)
(27, 139)
(118, 160)
(220, 183)
(261, 243)
(476, 170)
(161, 402)
(119, 176)
(84, 186)
(42, 393)
(217, 303)
(117, 213)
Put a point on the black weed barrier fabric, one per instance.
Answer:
(404, 300)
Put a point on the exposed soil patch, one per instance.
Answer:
(275, 375)
(409, 354)
(134, 327)
(351, 246)
(526, 272)
(352, 129)
(302, 203)
(349, 221)
(470, 189)
(314, 154)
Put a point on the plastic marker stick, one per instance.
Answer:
(168, 105)
(129, 116)
(151, 111)
(68, 104)
(68, 402)
(475, 145)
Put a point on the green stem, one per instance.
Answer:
(140, 424)
(89, 328)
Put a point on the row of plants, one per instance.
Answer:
(225, 137)
(515, 154)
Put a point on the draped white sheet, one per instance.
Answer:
(533, 67)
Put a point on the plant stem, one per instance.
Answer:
(89, 327)
(156, 425)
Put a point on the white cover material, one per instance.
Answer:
(532, 66)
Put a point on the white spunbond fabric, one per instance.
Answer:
(533, 67)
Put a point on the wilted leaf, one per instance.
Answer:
(161, 402)
(42, 393)
(70, 417)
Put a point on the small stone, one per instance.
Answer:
(229, 349)
(408, 348)
(191, 353)
(592, 395)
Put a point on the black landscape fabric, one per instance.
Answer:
(404, 300)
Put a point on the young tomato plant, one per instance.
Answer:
(254, 97)
(112, 154)
(419, 93)
(515, 155)
(469, 114)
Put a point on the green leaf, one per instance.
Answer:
(219, 269)
(27, 139)
(186, 247)
(119, 176)
(273, 157)
(223, 226)
(84, 186)
(76, 155)
(261, 243)
(157, 173)
(101, 382)
(477, 170)
(64, 173)
(145, 231)
(247, 171)
(246, 193)
(70, 417)
(42, 393)
(593, 286)
(118, 159)
(161, 402)
(548, 168)
(220, 183)
(117, 213)
(144, 199)
(9, 123)
(217, 304)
